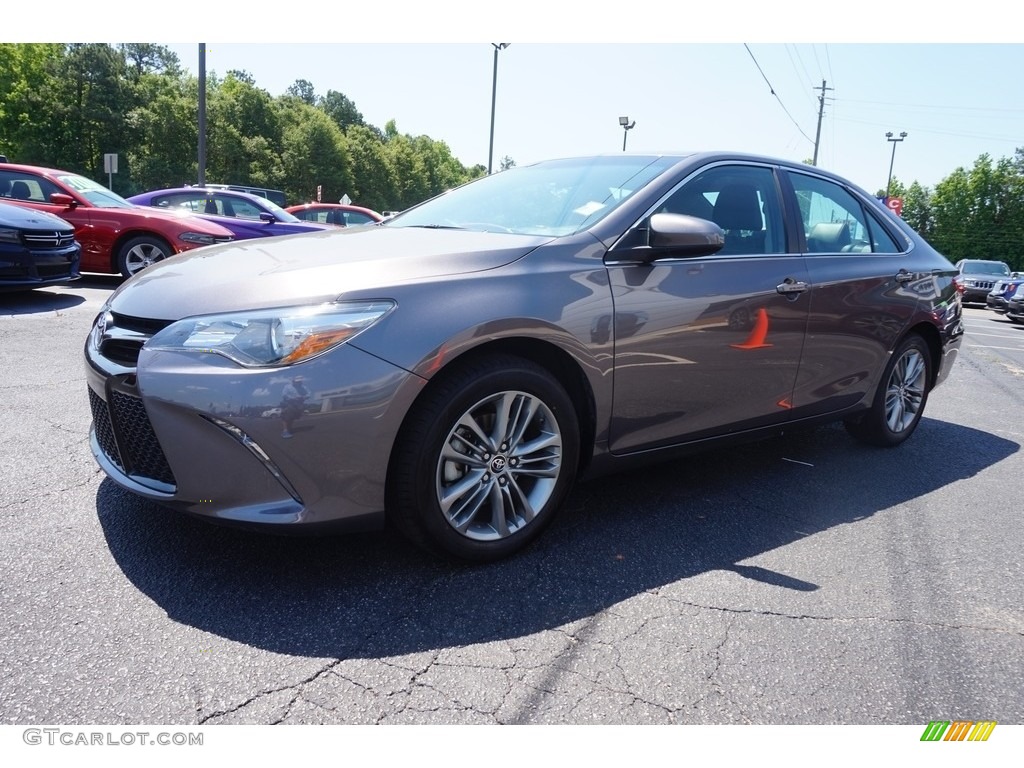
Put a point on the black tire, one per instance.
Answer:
(481, 494)
(139, 252)
(901, 397)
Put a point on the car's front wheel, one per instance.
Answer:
(900, 399)
(139, 252)
(485, 460)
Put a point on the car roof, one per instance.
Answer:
(40, 169)
(208, 190)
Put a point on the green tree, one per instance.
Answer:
(244, 134)
(917, 209)
(303, 90)
(166, 126)
(342, 110)
(25, 70)
(315, 153)
(374, 184)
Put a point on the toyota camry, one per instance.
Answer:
(456, 369)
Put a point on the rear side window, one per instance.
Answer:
(835, 221)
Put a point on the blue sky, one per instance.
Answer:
(954, 101)
(690, 79)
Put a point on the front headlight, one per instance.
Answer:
(10, 235)
(199, 237)
(272, 337)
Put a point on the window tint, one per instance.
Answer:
(834, 221)
(19, 186)
(353, 218)
(743, 200)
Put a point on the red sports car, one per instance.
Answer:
(115, 235)
(335, 213)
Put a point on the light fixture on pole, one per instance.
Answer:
(889, 137)
(494, 97)
(626, 128)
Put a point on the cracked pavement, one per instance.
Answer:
(804, 580)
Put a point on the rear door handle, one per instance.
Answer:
(790, 286)
(903, 276)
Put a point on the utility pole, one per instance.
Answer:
(821, 113)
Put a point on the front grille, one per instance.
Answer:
(139, 324)
(48, 239)
(126, 436)
(122, 351)
(125, 335)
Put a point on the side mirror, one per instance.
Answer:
(267, 217)
(683, 235)
(60, 198)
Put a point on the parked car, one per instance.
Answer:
(335, 213)
(459, 366)
(1015, 307)
(977, 277)
(245, 215)
(36, 249)
(116, 236)
(1003, 291)
(275, 196)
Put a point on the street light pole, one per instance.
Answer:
(626, 128)
(494, 98)
(202, 115)
(893, 139)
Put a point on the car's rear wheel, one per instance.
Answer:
(485, 460)
(139, 252)
(900, 399)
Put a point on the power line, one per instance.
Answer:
(776, 95)
(916, 129)
(943, 107)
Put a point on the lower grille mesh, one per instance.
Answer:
(126, 436)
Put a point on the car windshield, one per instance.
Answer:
(554, 198)
(986, 268)
(96, 194)
(281, 213)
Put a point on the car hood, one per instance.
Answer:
(29, 218)
(186, 221)
(309, 268)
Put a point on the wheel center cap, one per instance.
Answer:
(498, 464)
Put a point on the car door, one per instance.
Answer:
(864, 291)
(712, 344)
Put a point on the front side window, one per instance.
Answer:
(741, 199)
(834, 221)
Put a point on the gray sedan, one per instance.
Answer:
(458, 367)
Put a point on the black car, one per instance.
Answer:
(977, 277)
(1015, 307)
(36, 249)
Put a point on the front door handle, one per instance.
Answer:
(789, 286)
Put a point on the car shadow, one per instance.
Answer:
(37, 300)
(373, 595)
(54, 298)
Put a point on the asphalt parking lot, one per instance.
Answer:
(803, 580)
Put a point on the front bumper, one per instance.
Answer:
(200, 434)
(25, 268)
